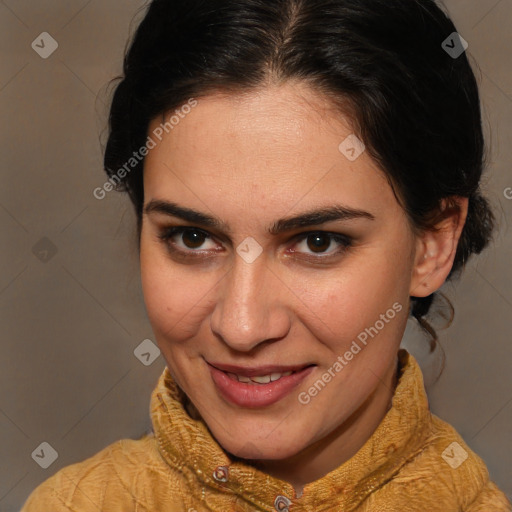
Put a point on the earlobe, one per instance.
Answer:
(425, 265)
(436, 248)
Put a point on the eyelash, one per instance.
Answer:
(166, 235)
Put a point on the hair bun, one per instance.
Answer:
(477, 231)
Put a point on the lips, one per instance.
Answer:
(256, 389)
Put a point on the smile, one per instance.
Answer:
(256, 387)
(261, 379)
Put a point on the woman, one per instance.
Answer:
(305, 176)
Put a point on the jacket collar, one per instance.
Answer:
(187, 445)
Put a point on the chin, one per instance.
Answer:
(258, 450)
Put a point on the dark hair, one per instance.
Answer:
(381, 62)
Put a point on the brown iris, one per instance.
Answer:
(196, 239)
(317, 245)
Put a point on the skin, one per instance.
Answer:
(251, 159)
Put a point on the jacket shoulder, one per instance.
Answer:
(105, 477)
(453, 473)
(490, 496)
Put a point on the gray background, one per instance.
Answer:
(71, 319)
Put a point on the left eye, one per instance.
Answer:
(319, 242)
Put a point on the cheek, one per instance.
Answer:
(175, 296)
(353, 298)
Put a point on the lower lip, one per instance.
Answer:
(255, 395)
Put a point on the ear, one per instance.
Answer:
(436, 248)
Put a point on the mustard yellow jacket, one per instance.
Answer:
(413, 462)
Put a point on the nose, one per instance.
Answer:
(250, 307)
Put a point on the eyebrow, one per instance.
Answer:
(310, 218)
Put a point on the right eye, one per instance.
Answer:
(184, 240)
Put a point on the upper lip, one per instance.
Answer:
(253, 371)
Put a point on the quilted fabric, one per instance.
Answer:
(413, 462)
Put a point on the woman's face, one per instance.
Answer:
(241, 285)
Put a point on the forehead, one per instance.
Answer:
(279, 116)
(276, 143)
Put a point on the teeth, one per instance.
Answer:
(264, 379)
(261, 379)
(275, 376)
